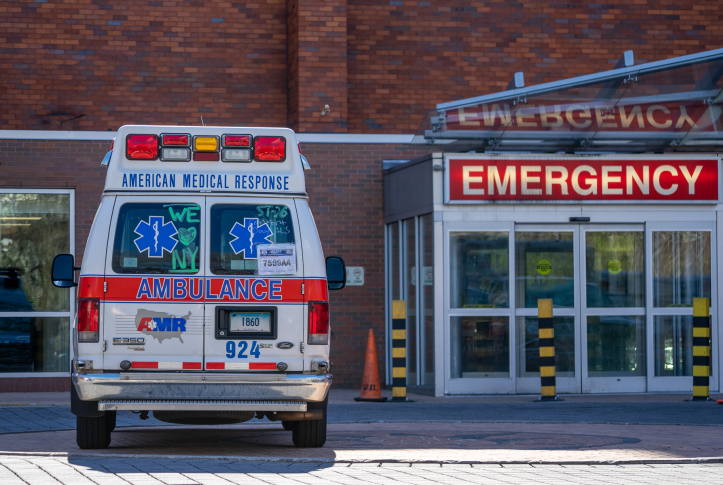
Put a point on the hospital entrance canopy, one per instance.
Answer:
(672, 105)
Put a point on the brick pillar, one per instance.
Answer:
(316, 33)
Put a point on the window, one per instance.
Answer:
(480, 269)
(34, 227)
(157, 238)
(237, 230)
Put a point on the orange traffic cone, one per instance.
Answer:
(371, 391)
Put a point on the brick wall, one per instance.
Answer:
(407, 56)
(141, 62)
(346, 196)
(379, 64)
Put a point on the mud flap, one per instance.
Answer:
(85, 409)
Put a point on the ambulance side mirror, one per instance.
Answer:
(63, 272)
(335, 273)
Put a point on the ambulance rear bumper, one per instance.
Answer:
(201, 386)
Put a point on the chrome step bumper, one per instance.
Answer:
(190, 405)
(200, 386)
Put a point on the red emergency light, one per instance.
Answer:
(142, 147)
(318, 322)
(236, 140)
(176, 140)
(270, 148)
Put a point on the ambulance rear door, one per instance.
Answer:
(254, 301)
(154, 309)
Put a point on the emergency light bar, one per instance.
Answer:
(182, 147)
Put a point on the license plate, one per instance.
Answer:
(250, 322)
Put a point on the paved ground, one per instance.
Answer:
(124, 471)
(602, 439)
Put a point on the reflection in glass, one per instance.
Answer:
(480, 269)
(545, 268)
(615, 346)
(615, 269)
(33, 229)
(34, 344)
(681, 267)
(410, 296)
(528, 346)
(673, 342)
(426, 252)
(480, 347)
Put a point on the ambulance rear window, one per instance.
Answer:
(237, 230)
(157, 239)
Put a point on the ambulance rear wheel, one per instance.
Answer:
(92, 433)
(288, 425)
(309, 434)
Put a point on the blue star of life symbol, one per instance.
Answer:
(155, 236)
(249, 235)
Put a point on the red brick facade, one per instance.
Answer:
(378, 64)
(346, 197)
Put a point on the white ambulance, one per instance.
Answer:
(203, 291)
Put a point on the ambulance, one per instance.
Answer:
(203, 294)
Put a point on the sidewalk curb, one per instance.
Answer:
(266, 459)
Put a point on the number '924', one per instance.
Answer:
(242, 347)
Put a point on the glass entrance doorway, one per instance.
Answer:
(595, 276)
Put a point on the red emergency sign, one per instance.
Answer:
(583, 179)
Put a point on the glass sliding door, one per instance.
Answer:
(546, 268)
(613, 310)
(682, 261)
(479, 311)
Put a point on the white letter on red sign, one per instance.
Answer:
(527, 179)
(607, 179)
(550, 179)
(493, 178)
(691, 178)
(467, 179)
(656, 179)
(576, 182)
(643, 185)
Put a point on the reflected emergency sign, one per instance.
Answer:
(583, 179)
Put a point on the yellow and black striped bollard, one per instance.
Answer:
(547, 351)
(399, 350)
(701, 349)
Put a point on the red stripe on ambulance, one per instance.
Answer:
(203, 290)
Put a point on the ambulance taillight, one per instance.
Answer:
(88, 317)
(270, 149)
(318, 322)
(142, 147)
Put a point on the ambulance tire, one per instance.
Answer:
(311, 433)
(92, 433)
(288, 425)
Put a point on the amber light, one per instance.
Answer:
(270, 149)
(205, 144)
(142, 147)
